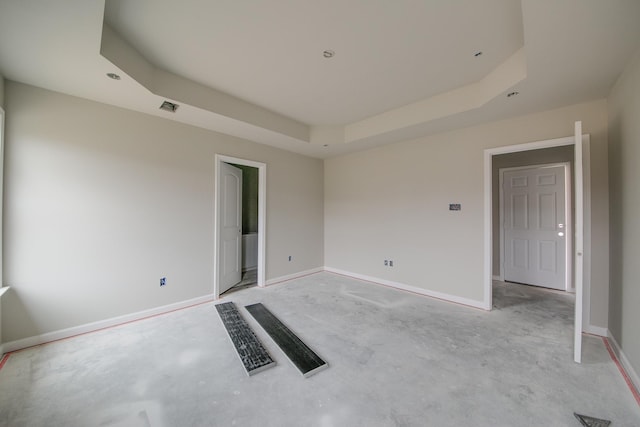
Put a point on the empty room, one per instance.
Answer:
(337, 213)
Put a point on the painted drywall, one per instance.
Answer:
(1, 186)
(101, 202)
(392, 203)
(624, 158)
(1, 91)
(249, 199)
(512, 160)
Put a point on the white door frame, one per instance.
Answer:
(1, 201)
(262, 214)
(568, 267)
(582, 298)
(581, 259)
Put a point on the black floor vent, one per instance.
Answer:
(253, 355)
(305, 359)
(592, 422)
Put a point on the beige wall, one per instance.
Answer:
(392, 203)
(101, 202)
(1, 91)
(624, 161)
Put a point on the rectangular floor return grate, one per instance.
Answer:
(302, 356)
(252, 353)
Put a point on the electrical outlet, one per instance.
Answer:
(163, 281)
(290, 257)
(390, 263)
(386, 262)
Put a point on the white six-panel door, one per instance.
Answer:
(230, 227)
(535, 226)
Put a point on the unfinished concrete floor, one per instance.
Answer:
(396, 359)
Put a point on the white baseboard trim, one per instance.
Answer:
(101, 324)
(596, 330)
(409, 288)
(297, 275)
(633, 375)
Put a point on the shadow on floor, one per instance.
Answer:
(249, 280)
(507, 294)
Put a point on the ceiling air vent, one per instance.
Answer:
(169, 106)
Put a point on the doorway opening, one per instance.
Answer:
(535, 219)
(236, 223)
(249, 240)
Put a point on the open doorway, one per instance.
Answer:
(536, 225)
(239, 240)
(580, 258)
(249, 222)
(532, 217)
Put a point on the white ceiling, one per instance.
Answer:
(388, 53)
(255, 69)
